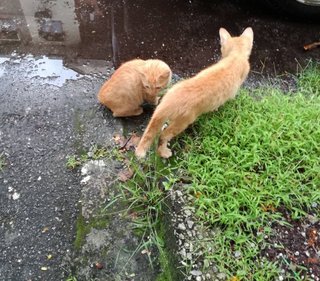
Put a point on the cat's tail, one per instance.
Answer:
(153, 128)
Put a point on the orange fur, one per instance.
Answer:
(205, 92)
(133, 83)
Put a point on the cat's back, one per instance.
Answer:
(128, 69)
(126, 75)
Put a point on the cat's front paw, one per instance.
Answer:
(140, 153)
(164, 152)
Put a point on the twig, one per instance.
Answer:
(311, 46)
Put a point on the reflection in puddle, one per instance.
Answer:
(50, 70)
(2, 67)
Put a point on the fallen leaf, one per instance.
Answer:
(133, 141)
(125, 144)
(44, 230)
(234, 278)
(313, 260)
(119, 139)
(125, 175)
(133, 215)
(49, 257)
(268, 207)
(312, 237)
(98, 265)
(198, 194)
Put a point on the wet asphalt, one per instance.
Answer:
(44, 116)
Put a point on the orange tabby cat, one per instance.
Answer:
(133, 83)
(205, 92)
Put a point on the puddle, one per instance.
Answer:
(2, 67)
(183, 33)
(51, 70)
(47, 70)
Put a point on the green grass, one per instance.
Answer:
(256, 154)
(71, 278)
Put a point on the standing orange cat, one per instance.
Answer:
(205, 92)
(133, 83)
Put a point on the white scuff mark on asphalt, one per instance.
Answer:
(13, 194)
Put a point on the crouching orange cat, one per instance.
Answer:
(133, 83)
(205, 92)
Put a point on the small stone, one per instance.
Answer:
(196, 272)
(179, 193)
(296, 253)
(187, 213)
(190, 224)
(181, 226)
(198, 278)
(181, 236)
(183, 253)
(237, 254)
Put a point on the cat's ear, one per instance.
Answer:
(224, 35)
(248, 32)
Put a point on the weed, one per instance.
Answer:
(71, 278)
(2, 162)
(95, 153)
(73, 162)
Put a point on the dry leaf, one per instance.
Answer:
(119, 139)
(98, 265)
(49, 257)
(126, 144)
(312, 237)
(125, 175)
(268, 207)
(133, 141)
(312, 260)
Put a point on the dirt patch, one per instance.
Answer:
(296, 247)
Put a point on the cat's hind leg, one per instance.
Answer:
(174, 128)
(127, 112)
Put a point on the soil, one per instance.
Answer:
(296, 247)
